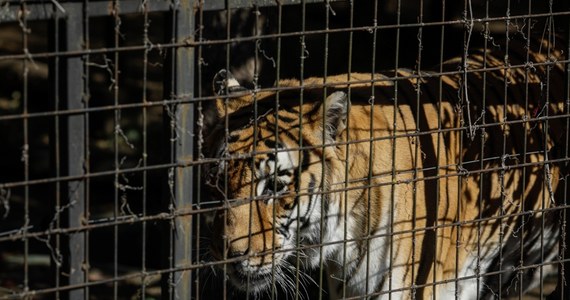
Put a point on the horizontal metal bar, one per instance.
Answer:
(9, 185)
(427, 178)
(194, 43)
(189, 212)
(46, 9)
(220, 5)
(182, 99)
(27, 294)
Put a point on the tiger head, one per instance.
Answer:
(269, 170)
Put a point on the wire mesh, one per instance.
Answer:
(304, 149)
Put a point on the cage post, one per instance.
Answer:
(76, 152)
(183, 87)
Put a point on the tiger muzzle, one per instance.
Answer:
(245, 242)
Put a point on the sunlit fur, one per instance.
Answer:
(398, 196)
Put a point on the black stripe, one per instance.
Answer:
(288, 206)
(283, 230)
(285, 172)
(312, 183)
(290, 109)
(314, 110)
(305, 162)
(427, 258)
(233, 138)
(311, 191)
(273, 144)
(286, 119)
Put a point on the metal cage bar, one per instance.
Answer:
(183, 69)
(77, 159)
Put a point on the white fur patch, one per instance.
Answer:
(284, 161)
(232, 82)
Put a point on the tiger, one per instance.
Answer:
(401, 184)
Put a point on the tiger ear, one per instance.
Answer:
(336, 108)
(225, 83)
(233, 96)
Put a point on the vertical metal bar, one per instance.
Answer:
(184, 117)
(226, 139)
(300, 154)
(25, 147)
(393, 150)
(76, 158)
(372, 154)
(54, 39)
(256, 70)
(525, 128)
(565, 238)
(199, 132)
(55, 142)
(347, 159)
(482, 177)
(200, 148)
(276, 108)
(85, 99)
(322, 146)
(464, 102)
(86, 165)
(146, 42)
(416, 150)
(438, 188)
(115, 11)
(548, 195)
(502, 213)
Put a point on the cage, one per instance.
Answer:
(304, 149)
